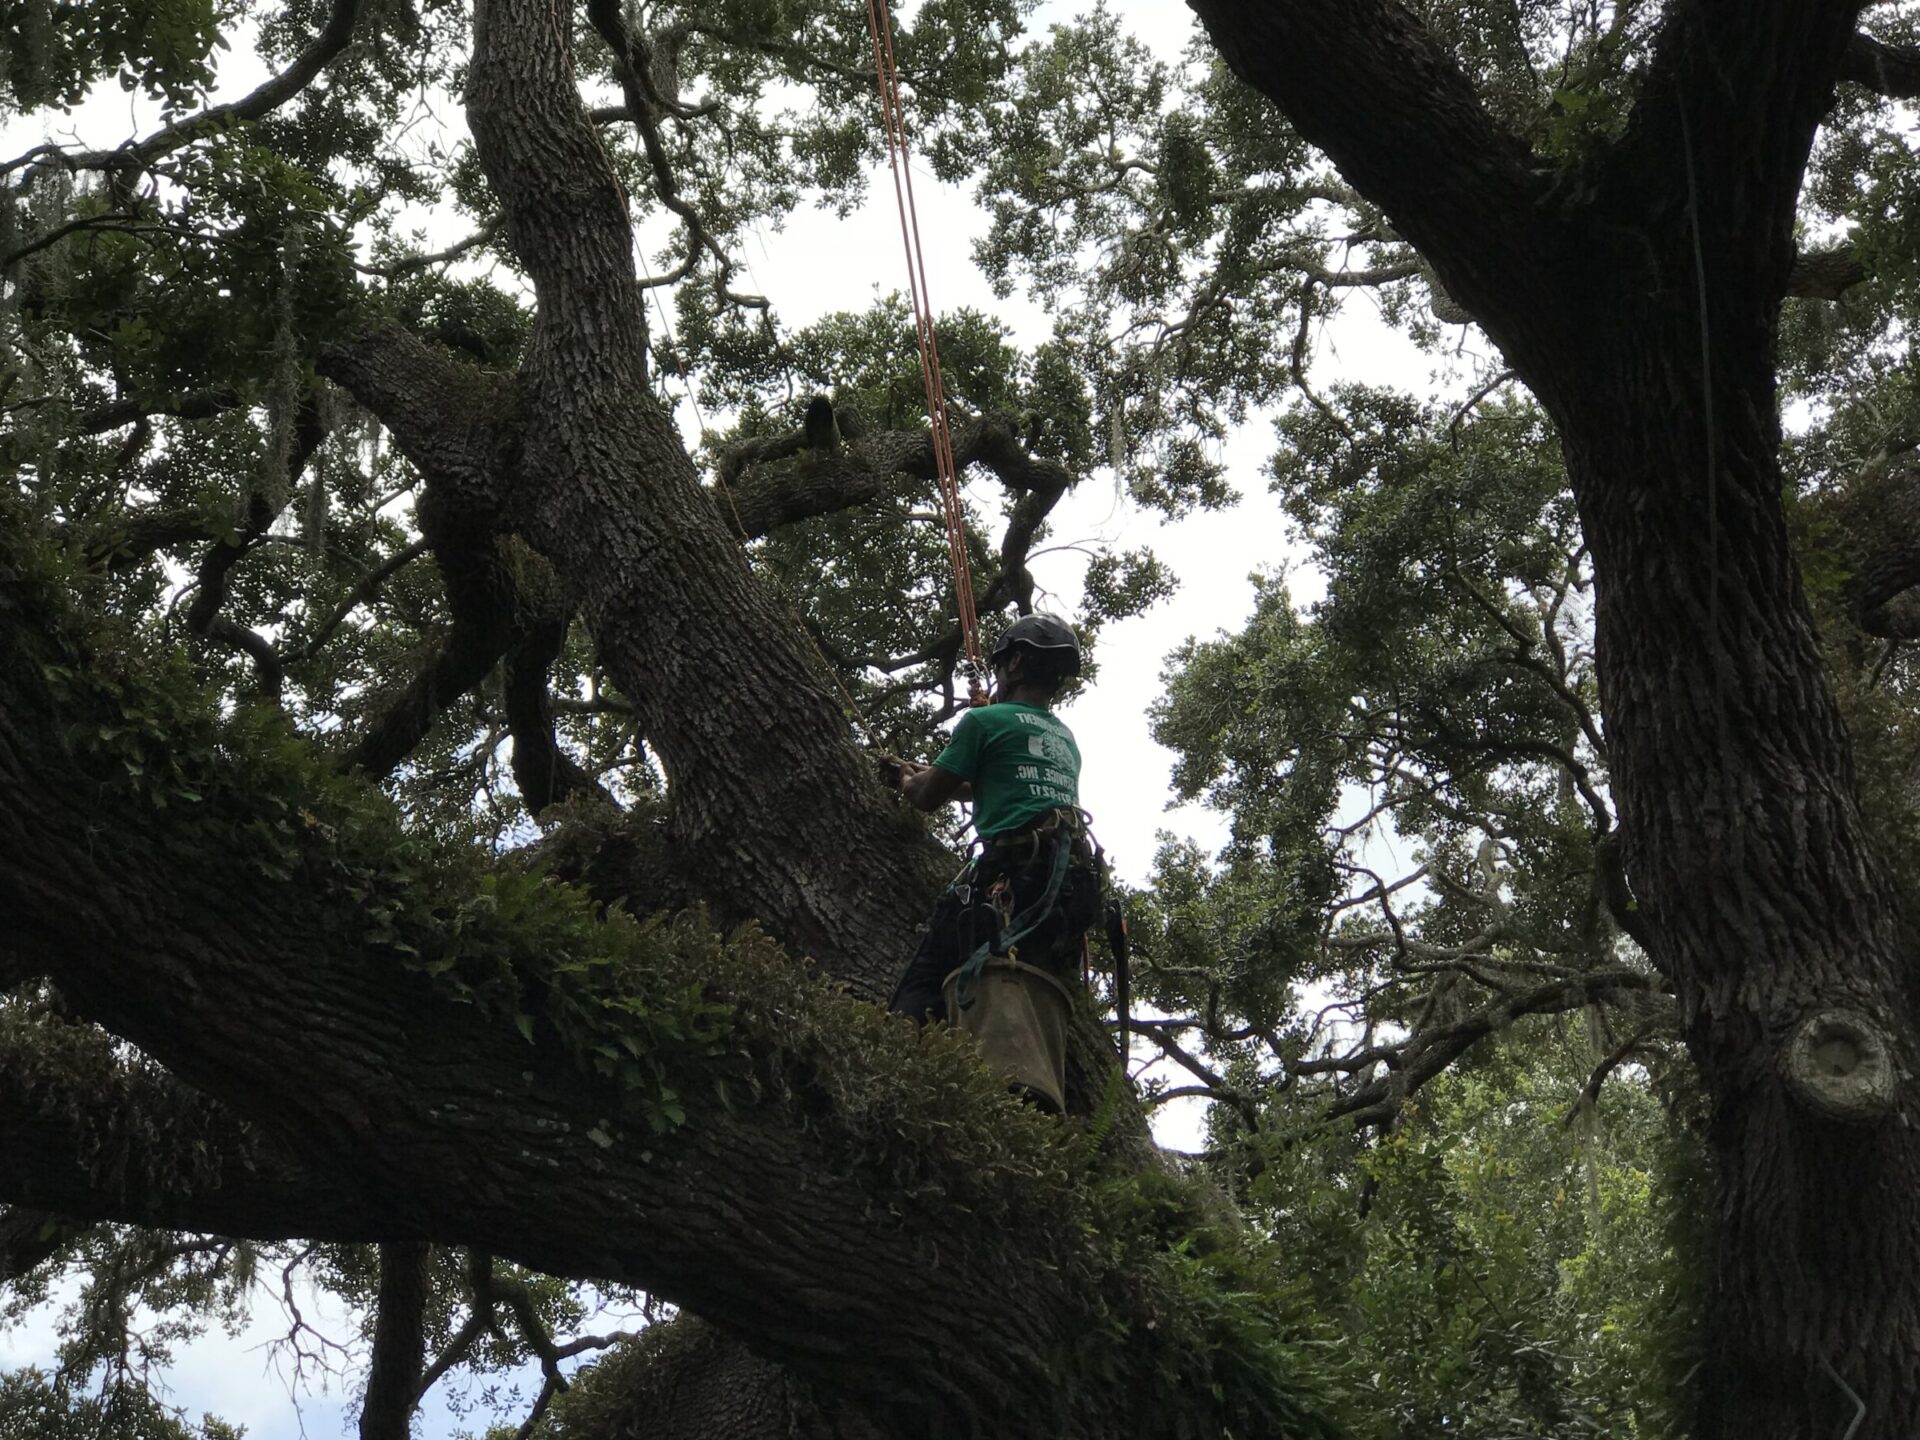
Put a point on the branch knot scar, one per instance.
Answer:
(1840, 1064)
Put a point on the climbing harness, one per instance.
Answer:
(1016, 928)
(880, 27)
(1059, 839)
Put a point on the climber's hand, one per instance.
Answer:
(894, 771)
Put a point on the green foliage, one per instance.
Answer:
(34, 1406)
(50, 53)
(1232, 1347)
(1498, 1265)
(1442, 678)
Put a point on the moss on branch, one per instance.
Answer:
(1164, 1315)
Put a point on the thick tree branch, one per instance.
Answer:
(758, 497)
(456, 423)
(683, 1378)
(1897, 619)
(399, 1342)
(1368, 83)
(489, 619)
(1881, 68)
(411, 1111)
(1721, 132)
(545, 773)
(185, 405)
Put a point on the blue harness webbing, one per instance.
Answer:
(1019, 926)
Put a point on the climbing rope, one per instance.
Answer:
(880, 27)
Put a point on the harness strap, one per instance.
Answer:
(1019, 927)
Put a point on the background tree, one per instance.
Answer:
(1754, 881)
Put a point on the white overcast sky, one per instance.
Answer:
(814, 265)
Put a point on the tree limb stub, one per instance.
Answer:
(1825, 274)
(1839, 1064)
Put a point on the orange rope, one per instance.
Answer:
(880, 26)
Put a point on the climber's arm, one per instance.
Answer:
(929, 787)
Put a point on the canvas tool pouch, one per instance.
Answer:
(1018, 1017)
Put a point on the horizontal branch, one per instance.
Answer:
(263, 100)
(1882, 68)
(1425, 1055)
(758, 495)
(882, 1191)
(1826, 274)
(183, 405)
(93, 1135)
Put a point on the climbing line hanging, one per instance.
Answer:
(880, 27)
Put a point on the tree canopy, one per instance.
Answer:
(439, 680)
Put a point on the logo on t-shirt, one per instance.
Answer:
(1050, 748)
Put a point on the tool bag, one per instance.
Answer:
(1017, 1013)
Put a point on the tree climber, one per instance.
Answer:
(1034, 883)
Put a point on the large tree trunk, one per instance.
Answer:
(770, 800)
(1749, 858)
(1637, 297)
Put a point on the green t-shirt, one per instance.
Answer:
(1021, 760)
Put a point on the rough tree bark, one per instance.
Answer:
(357, 1102)
(1637, 297)
(364, 1109)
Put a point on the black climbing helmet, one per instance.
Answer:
(1053, 640)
